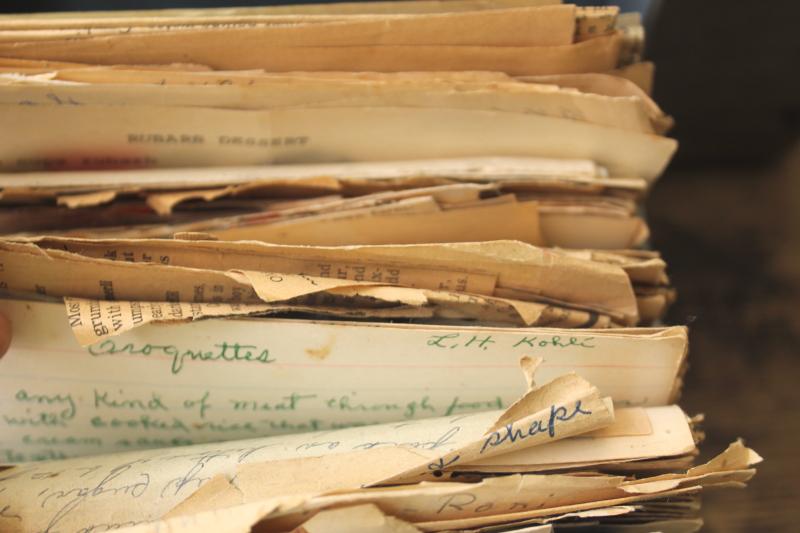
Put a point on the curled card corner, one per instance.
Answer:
(529, 365)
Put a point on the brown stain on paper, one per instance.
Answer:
(323, 351)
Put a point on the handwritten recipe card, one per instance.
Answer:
(215, 380)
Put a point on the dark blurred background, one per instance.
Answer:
(726, 215)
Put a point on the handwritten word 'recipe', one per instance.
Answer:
(233, 352)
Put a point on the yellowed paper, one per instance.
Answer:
(592, 21)
(157, 481)
(533, 420)
(518, 221)
(74, 201)
(381, 465)
(626, 111)
(342, 8)
(643, 266)
(277, 286)
(641, 74)
(669, 435)
(96, 320)
(446, 506)
(79, 137)
(242, 518)
(344, 30)
(594, 55)
(189, 270)
(92, 320)
(164, 202)
(173, 75)
(328, 176)
(493, 310)
(357, 519)
(653, 302)
(122, 279)
(301, 375)
(566, 228)
(531, 26)
(616, 84)
(734, 464)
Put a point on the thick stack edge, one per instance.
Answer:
(378, 266)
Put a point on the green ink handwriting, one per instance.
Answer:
(348, 403)
(458, 406)
(51, 440)
(452, 341)
(43, 410)
(231, 352)
(287, 403)
(104, 399)
(144, 422)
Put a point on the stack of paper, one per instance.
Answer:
(294, 268)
